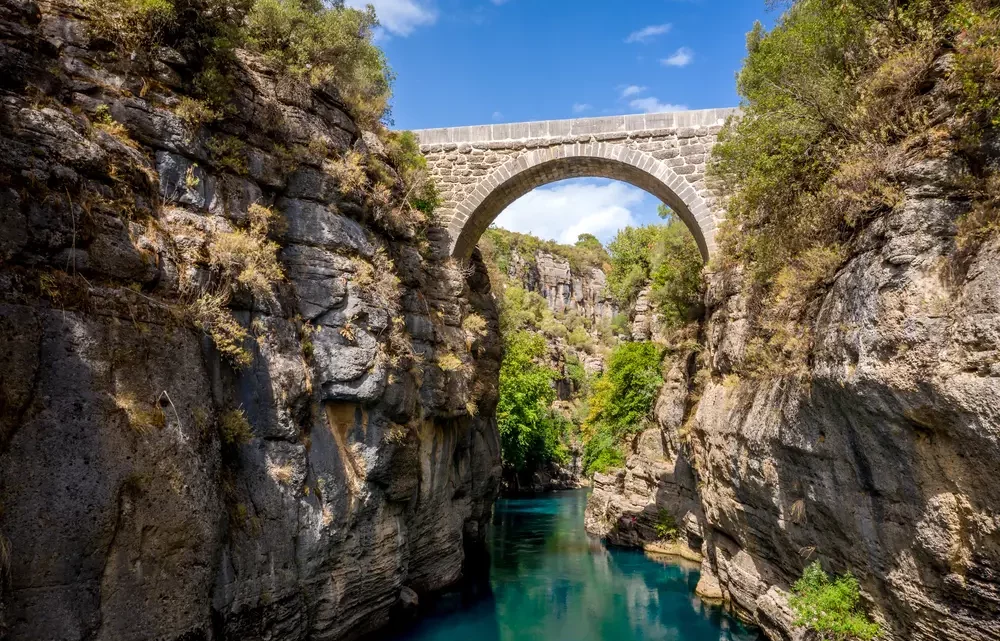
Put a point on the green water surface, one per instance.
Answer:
(552, 582)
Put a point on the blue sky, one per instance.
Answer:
(465, 62)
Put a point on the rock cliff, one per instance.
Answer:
(149, 488)
(878, 460)
(565, 289)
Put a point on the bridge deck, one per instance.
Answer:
(624, 125)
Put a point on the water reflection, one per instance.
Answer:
(551, 582)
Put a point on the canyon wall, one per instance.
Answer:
(879, 460)
(149, 489)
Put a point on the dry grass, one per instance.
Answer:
(104, 122)
(282, 473)
(475, 325)
(349, 172)
(377, 281)
(211, 314)
(449, 362)
(247, 259)
(240, 259)
(142, 417)
(234, 428)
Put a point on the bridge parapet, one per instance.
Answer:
(481, 169)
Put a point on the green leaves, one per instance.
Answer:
(620, 402)
(831, 607)
(529, 431)
(665, 256)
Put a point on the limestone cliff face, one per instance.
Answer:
(581, 291)
(881, 462)
(130, 509)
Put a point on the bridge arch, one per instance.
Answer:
(520, 175)
(480, 170)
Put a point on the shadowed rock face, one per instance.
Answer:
(882, 463)
(123, 513)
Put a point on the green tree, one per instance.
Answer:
(530, 434)
(590, 242)
(831, 607)
(665, 256)
(675, 273)
(620, 402)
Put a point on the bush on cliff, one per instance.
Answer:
(665, 257)
(586, 253)
(620, 402)
(530, 433)
(831, 607)
(836, 98)
(326, 43)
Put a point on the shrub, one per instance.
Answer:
(666, 526)
(234, 428)
(196, 112)
(675, 273)
(601, 453)
(326, 44)
(475, 325)
(620, 324)
(244, 258)
(624, 395)
(831, 607)
(530, 433)
(580, 339)
(349, 172)
(576, 372)
(228, 152)
(619, 402)
(664, 256)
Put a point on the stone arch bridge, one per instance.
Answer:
(482, 169)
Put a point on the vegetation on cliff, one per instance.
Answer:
(325, 43)
(607, 407)
(218, 47)
(620, 403)
(838, 99)
(666, 259)
(831, 607)
(531, 432)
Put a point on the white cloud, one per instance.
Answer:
(581, 107)
(563, 211)
(653, 105)
(497, 115)
(632, 90)
(680, 58)
(647, 33)
(400, 17)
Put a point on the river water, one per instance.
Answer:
(552, 582)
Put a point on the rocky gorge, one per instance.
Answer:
(245, 393)
(877, 459)
(152, 488)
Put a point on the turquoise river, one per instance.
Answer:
(552, 582)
